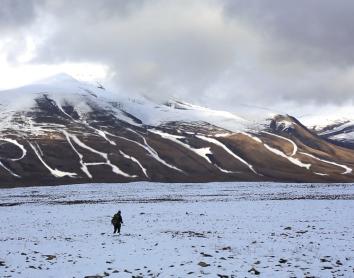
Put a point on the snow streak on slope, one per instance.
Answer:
(320, 174)
(174, 138)
(63, 111)
(23, 150)
(293, 160)
(103, 134)
(347, 169)
(218, 143)
(149, 149)
(252, 137)
(83, 164)
(55, 172)
(17, 144)
(83, 121)
(135, 161)
(115, 169)
(286, 139)
(9, 170)
(202, 152)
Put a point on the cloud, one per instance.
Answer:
(16, 13)
(216, 52)
(308, 47)
(16, 18)
(159, 48)
(320, 30)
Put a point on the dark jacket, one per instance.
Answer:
(117, 219)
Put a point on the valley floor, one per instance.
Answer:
(178, 230)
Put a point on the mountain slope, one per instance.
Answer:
(64, 131)
(341, 133)
(337, 128)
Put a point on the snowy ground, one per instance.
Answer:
(178, 230)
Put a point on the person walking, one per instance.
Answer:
(117, 221)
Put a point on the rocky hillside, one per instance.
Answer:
(63, 131)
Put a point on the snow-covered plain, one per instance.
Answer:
(178, 230)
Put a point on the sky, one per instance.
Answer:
(293, 56)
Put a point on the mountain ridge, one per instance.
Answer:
(62, 131)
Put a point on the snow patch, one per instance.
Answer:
(149, 149)
(103, 134)
(286, 139)
(115, 169)
(347, 169)
(254, 138)
(20, 146)
(136, 161)
(218, 143)
(55, 172)
(202, 152)
(284, 125)
(291, 159)
(9, 170)
(320, 174)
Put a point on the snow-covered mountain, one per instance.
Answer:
(61, 130)
(335, 126)
(340, 132)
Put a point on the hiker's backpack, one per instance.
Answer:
(114, 220)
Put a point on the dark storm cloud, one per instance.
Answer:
(320, 30)
(309, 47)
(93, 9)
(16, 17)
(157, 48)
(16, 13)
(214, 51)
